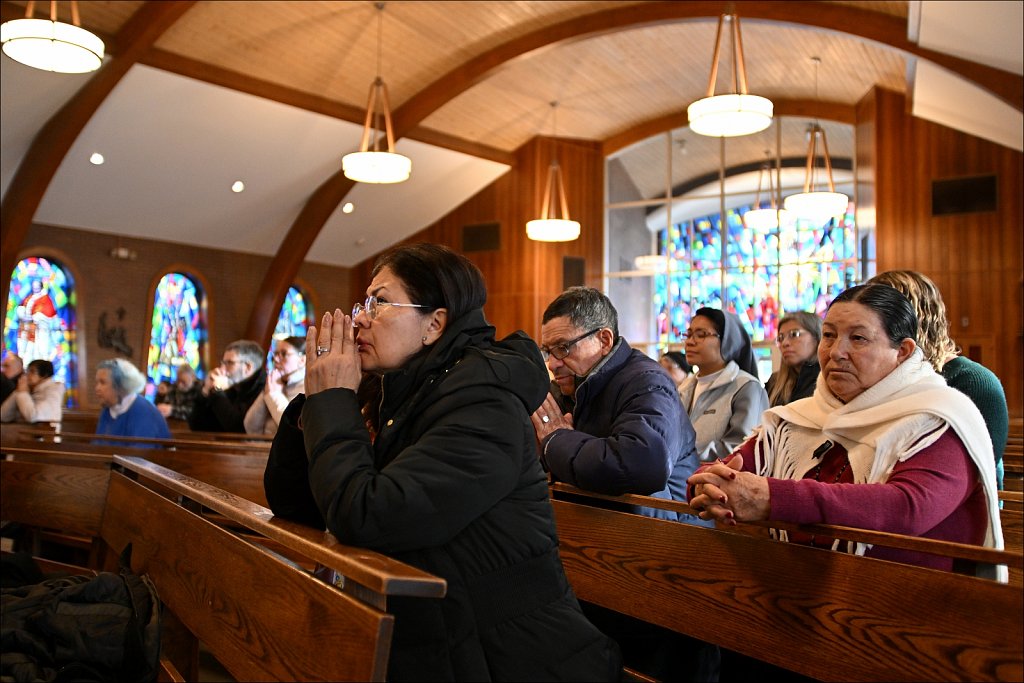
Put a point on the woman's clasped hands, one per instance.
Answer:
(332, 356)
(727, 495)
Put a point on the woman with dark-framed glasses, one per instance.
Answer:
(449, 482)
(799, 334)
(724, 398)
(285, 380)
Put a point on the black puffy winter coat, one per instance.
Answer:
(452, 485)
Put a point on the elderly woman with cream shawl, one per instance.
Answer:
(882, 444)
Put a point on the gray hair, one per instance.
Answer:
(125, 377)
(587, 309)
(248, 350)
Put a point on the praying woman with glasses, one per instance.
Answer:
(285, 381)
(450, 484)
(799, 334)
(724, 398)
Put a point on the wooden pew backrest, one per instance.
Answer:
(824, 614)
(263, 618)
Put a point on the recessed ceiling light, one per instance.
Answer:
(348, 207)
(96, 159)
(237, 186)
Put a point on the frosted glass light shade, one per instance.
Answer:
(51, 45)
(764, 220)
(651, 263)
(817, 204)
(724, 116)
(376, 167)
(552, 230)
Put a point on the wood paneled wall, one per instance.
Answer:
(976, 259)
(523, 276)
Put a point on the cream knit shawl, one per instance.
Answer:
(905, 412)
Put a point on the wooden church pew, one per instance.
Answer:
(823, 614)
(260, 614)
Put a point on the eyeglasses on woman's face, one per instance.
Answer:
(698, 335)
(791, 335)
(283, 353)
(562, 351)
(372, 307)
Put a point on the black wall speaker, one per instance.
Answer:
(481, 237)
(964, 195)
(573, 271)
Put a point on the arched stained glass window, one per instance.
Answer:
(294, 319)
(178, 331)
(40, 319)
(296, 315)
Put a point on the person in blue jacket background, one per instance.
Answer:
(125, 412)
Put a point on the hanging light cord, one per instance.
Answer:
(380, 37)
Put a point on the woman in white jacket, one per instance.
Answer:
(285, 381)
(725, 398)
(37, 398)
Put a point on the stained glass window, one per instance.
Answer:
(296, 315)
(802, 265)
(178, 331)
(40, 320)
(294, 319)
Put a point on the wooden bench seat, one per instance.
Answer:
(824, 614)
(261, 615)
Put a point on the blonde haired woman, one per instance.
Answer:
(963, 374)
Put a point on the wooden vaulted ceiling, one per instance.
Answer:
(477, 77)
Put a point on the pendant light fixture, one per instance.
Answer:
(765, 220)
(736, 113)
(812, 203)
(549, 227)
(652, 264)
(373, 165)
(52, 45)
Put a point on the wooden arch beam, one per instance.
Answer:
(874, 26)
(58, 134)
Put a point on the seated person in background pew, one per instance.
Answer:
(230, 389)
(125, 412)
(450, 484)
(725, 398)
(612, 422)
(798, 337)
(676, 366)
(177, 403)
(36, 398)
(883, 444)
(963, 374)
(284, 382)
(10, 370)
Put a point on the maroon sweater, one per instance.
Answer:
(937, 494)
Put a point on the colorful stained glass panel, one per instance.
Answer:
(40, 319)
(178, 331)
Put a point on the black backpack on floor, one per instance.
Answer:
(80, 628)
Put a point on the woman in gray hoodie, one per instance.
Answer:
(724, 398)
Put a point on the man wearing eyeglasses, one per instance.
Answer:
(613, 422)
(230, 389)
